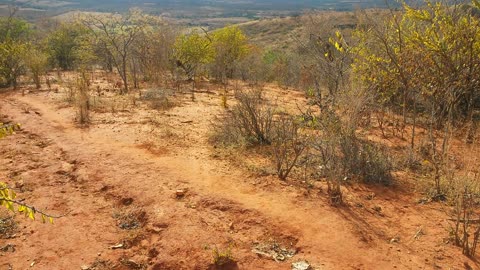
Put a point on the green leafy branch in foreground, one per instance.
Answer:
(8, 195)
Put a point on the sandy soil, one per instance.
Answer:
(116, 181)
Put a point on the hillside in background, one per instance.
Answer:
(287, 33)
(243, 10)
(200, 4)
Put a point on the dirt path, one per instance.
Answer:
(111, 169)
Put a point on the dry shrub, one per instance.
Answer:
(223, 259)
(254, 116)
(288, 144)
(70, 93)
(411, 160)
(131, 264)
(82, 100)
(253, 69)
(464, 214)
(327, 147)
(7, 227)
(249, 121)
(224, 99)
(360, 158)
(158, 99)
(341, 153)
(472, 133)
(100, 264)
(374, 164)
(111, 104)
(77, 94)
(129, 219)
(226, 131)
(354, 158)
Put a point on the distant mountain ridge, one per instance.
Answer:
(177, 5)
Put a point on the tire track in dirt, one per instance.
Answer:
(324, 236)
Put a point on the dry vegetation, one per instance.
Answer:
(349, 147)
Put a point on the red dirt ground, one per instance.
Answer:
(133, 160)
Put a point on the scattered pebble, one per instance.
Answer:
(301, 265)
(180, 193)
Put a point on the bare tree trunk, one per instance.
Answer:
(134, 70)
(36, 79)
(193, 88)
(412, 143)
(124, 74)
(14, 84)
(194, 76)
(404, 112)
(472, 129)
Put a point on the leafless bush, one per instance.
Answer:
(327, 146)
(249, 121)
(361, 159)
(329, 170)
(409, 160)
(158, 99)
(70, 93)
(226, 131)
(288, 144)
(82, 100)
(375, 164)
(286, 70)
(254, 116)
(472, 132)
(436, 160)
(253, 69)
(465, 217)
(343, 156)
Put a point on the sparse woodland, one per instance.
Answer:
(409, 76)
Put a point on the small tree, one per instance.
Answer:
(326, 59)
(117, 34)
(14, 34)
(230, 46)
(63, 43)
(12, 62)
(36, 62)
(152, 52)
(190, 52)
(12, 28)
